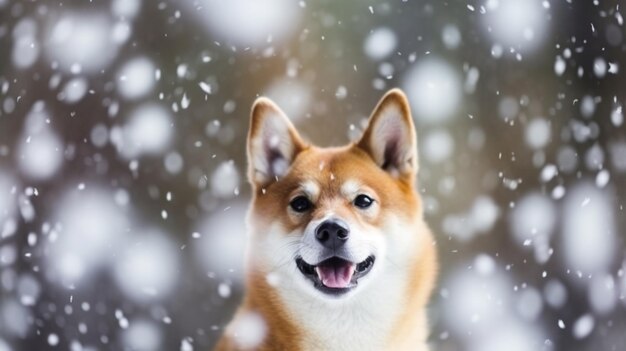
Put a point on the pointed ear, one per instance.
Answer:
(390, 136)
(273, 143)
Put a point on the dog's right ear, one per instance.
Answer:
(273, 143)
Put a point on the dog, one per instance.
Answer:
(339, 256)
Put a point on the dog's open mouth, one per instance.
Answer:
(335, 275)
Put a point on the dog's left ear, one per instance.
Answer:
(390, 136)
(273, 143)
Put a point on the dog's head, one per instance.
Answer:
(329, 221)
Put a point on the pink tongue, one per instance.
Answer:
(335, 276)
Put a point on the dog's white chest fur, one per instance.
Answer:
(362, 323)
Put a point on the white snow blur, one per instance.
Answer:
(8, 203)
(437, 145)
(538, 133)
(293, 97)
(479, 306)
(142, 335)
(80, 41)
(136, 78)
(478, 219)
(26, 48)
(221, 243)
(4, 346)
(518, 24)
(451, 36)
(225, 180)
(249, 330)
(532, 223)
(380, 43)
(15, 319)
(434, 90)
(258, 23)
(588, 234)
(74, 90)
(89, 230)
(40, 150)
(148, 267)
(125, 8)
(149, 131)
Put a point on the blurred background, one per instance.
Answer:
(122, 159)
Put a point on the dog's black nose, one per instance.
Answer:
(332, 233)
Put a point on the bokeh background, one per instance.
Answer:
(122, 163)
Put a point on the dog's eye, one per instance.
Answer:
(300, 204)
(363, 201)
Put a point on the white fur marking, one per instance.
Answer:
(350, 188)
(310, 188)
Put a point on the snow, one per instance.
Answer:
(617, 151)
(587, 106)
(91, 227)
(148, 267)
(224, 290)
(26, 48)
(451, 36)
(555, 293)
(74, 90)
(594, 157)
(508, 108)
(380, 43)
(80, 41)
(567, 159)
(53, 339)
(293, 97)
(512, 336)
(599, 67)
(123, 191)
(583, 326)
(15, 318)
(538, 133)
(478, 219)
(437, 146)
(142, 335)
(434, 90)
(519, 24)
(8, 255)
(257, 23)
(559, 66)
(99, 135)
(4, 346)
(602, 294)
(125, 8)
(529, 304)
(136, 78)
(588, 233)
(485, 264)
(479, 307)
(249, 330)
(173, 162)
(185, 345)
(28, 289)
(225, 180)
(617, 116)
(533, 218)
(220, 248)
(149, 131)
(40, 151)
(8, 201)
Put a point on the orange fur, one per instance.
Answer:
(386, 171)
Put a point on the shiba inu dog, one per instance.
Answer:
(339, 256)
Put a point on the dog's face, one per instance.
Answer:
(327, 221)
